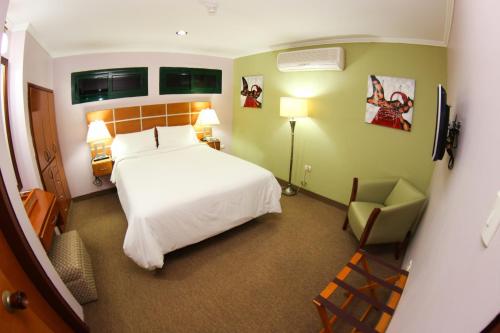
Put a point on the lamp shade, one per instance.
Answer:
(207, 117)
(97, 131)
(293, 107)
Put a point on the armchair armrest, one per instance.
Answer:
(373, 190)
(392, 223)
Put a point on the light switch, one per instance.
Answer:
(492, 223)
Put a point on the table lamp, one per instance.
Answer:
(292, 108)
(206, 119)
(96, 136)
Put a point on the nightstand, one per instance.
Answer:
(100, 168)
(214, 143)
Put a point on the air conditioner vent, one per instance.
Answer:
(331, 58)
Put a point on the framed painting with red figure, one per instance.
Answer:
(390, 102)
(251, 91)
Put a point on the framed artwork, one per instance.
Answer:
(390, 101)
(251, 91)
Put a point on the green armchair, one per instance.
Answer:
(383, 211)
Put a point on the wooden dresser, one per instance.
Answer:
(43, 213)
(45, 141)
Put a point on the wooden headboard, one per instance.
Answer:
(138, 118)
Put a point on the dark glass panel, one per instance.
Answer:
(92, 86)
(123, 82)
(204, 81)
(178, 80)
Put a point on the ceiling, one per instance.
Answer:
(238, 28)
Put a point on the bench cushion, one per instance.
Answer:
(72, 263)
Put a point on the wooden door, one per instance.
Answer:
(63, 195)
(40, 126)
(60, 194)
(44, 129)
(51, 179)
(51, 118)
(38, 316)
(48, 180)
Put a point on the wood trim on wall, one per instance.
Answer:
(30, 264)
(5, 62)
(136, 118)
(40, 87)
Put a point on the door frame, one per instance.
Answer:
(27, 259)
(5, 62)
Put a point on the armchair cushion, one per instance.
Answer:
(394, 222)
(375, 190)
(358, 215)
(402, 193)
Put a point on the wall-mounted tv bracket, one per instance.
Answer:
(452, 141)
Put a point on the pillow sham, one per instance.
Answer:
(125, 144)
(176, 136)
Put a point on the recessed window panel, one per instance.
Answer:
(105, 84)
(124, 82)
(180, 80)
(91, 86)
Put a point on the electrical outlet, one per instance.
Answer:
(307, 168)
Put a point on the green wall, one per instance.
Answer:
(335, 140)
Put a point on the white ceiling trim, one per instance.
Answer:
(55, 55)
(327, 41)
(280, 47)
(316, 42)
(450, 5)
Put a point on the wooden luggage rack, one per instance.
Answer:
(394, 284)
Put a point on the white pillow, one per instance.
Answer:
(125, 144)
(176, 136)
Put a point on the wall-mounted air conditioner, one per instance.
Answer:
(330, 58)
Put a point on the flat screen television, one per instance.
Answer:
(441, 131)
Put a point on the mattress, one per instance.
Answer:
(177, 197)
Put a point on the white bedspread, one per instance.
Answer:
(173, 198)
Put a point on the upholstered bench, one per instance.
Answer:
(72, 262)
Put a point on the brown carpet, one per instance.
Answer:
(259, 277)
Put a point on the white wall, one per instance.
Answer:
(454, 284)
(11, 185)
(28, 62)
(71, 124)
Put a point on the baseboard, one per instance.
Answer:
(94, 194)
(316, 196)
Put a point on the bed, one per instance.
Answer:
(176, 197)
(175, 190)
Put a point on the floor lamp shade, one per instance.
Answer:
(292, 108)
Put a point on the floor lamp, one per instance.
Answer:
(292, 108)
